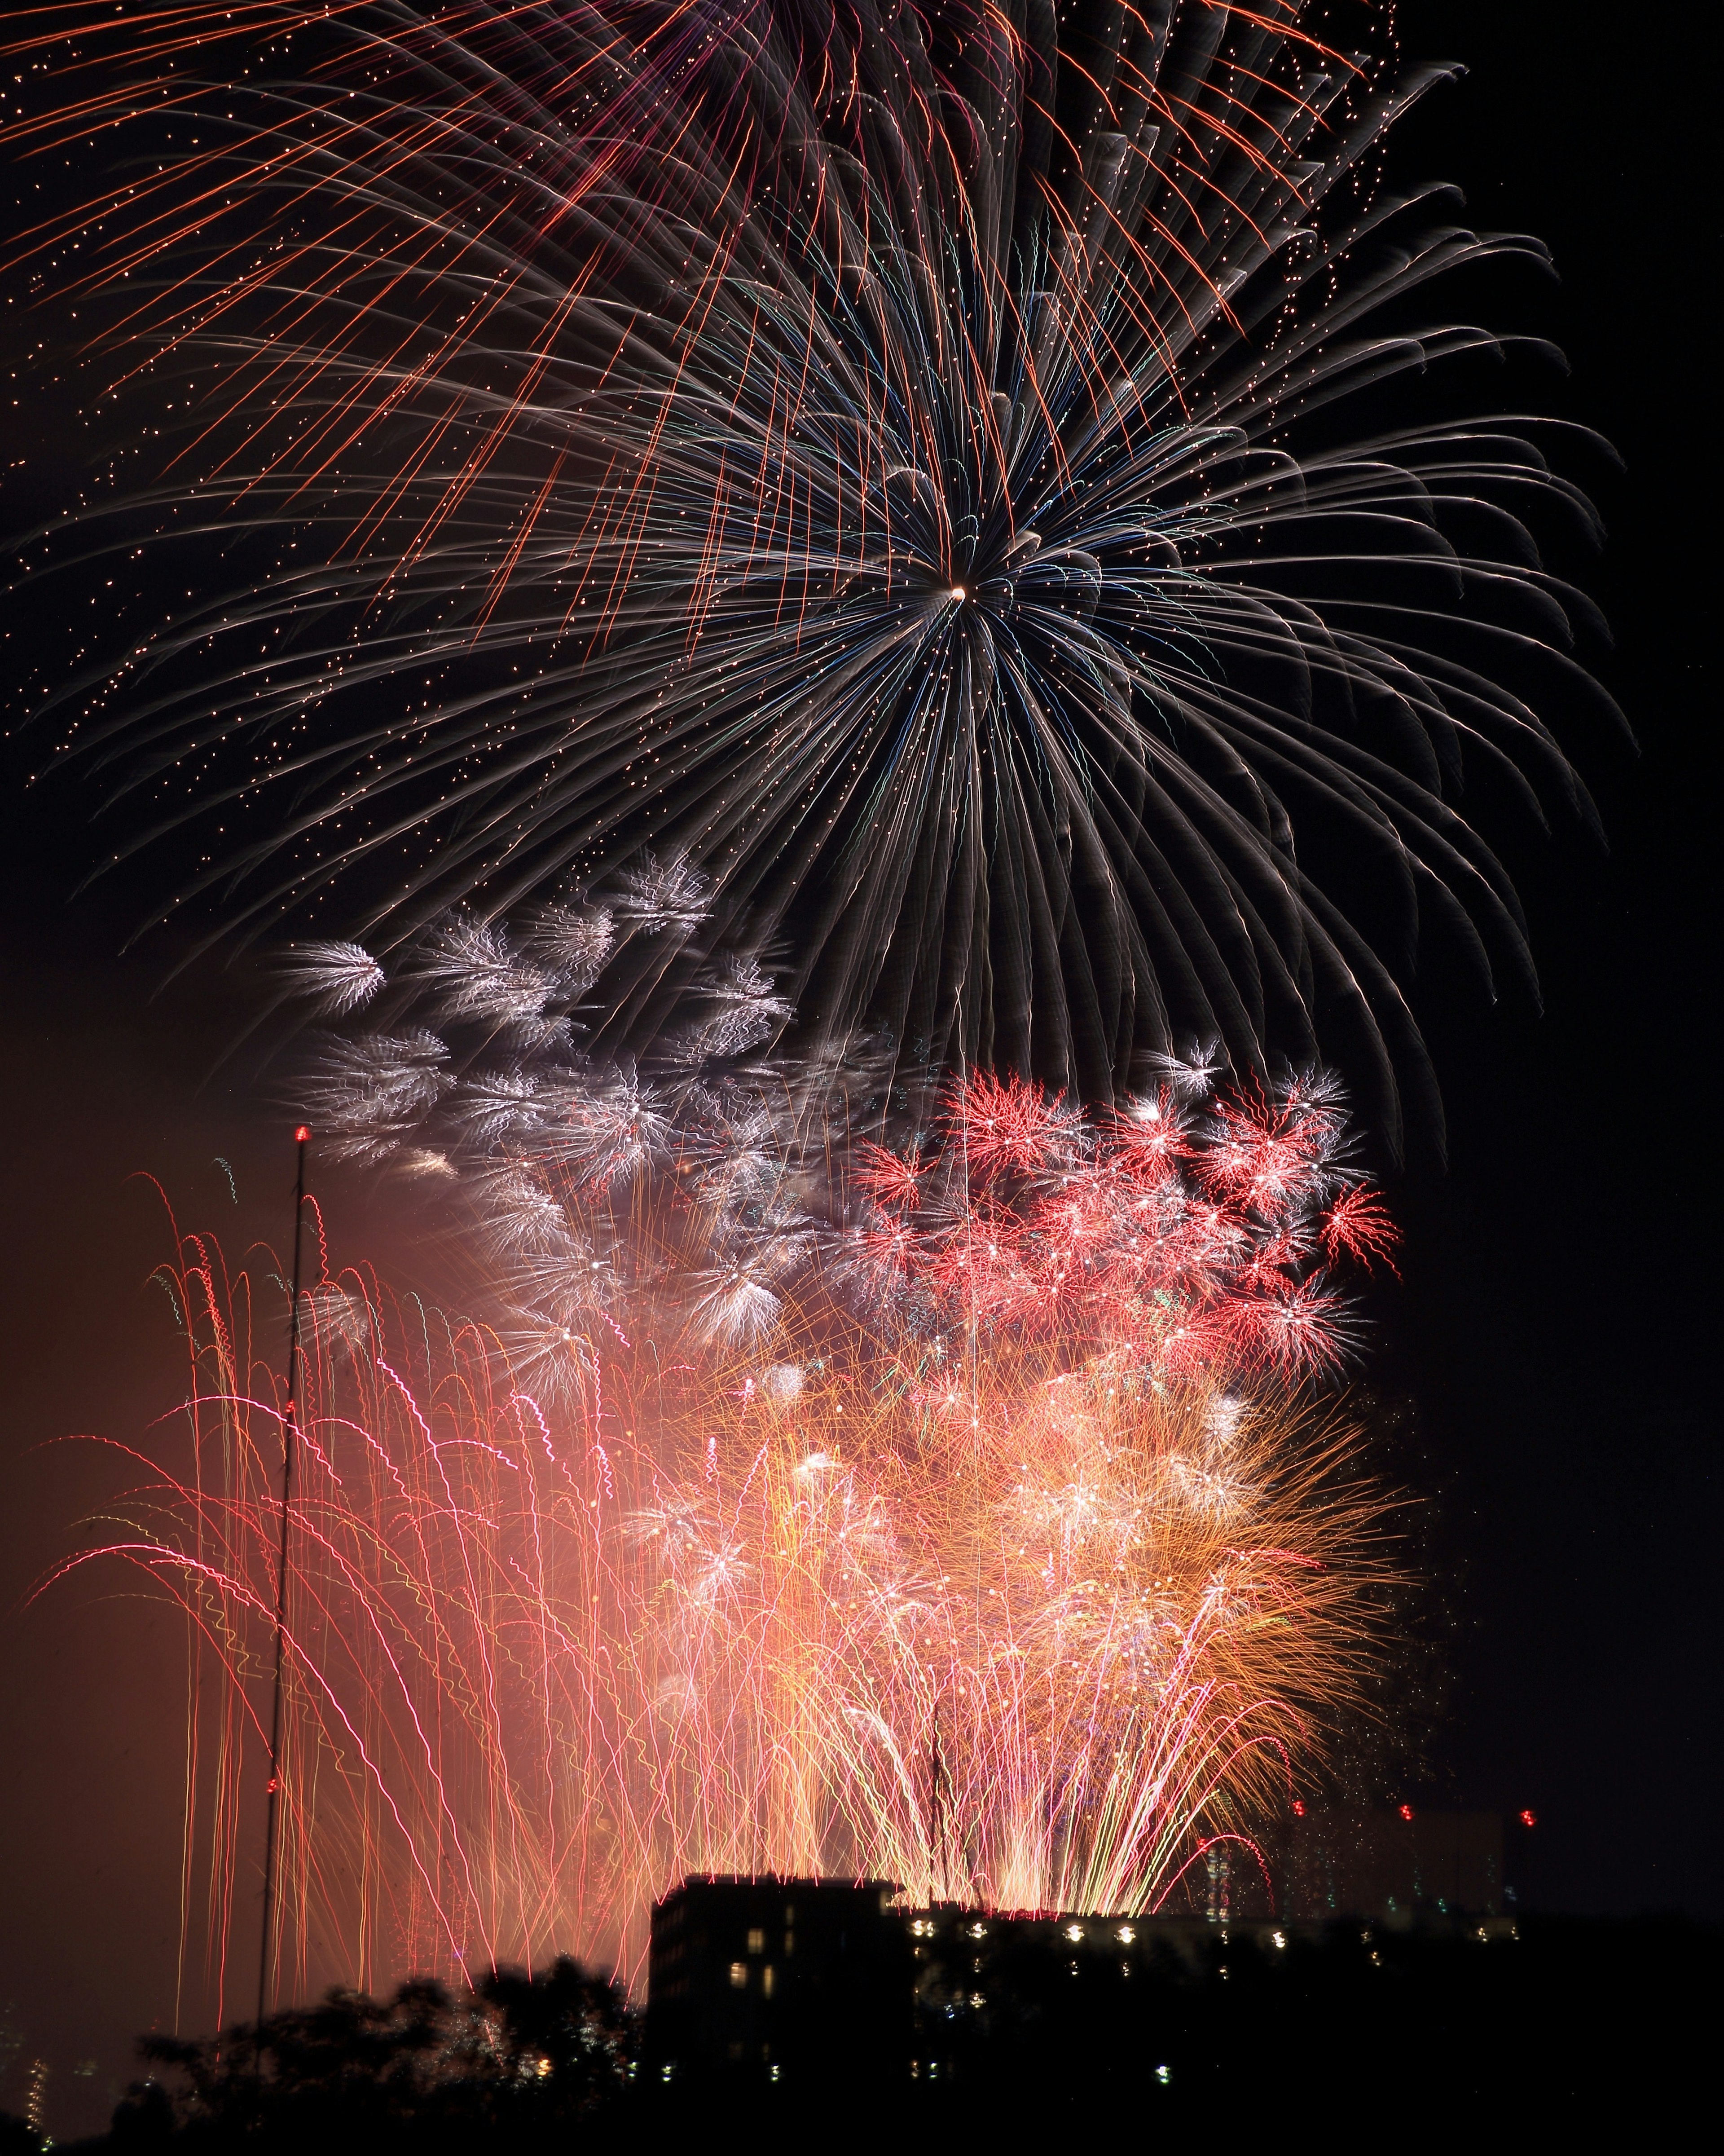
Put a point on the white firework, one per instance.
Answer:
(474, 973)
(737, 1159)
(612, 1134)
(727, 1035)
(522, 1219)
(498, 1104)
(568, 1287)
(658, 895)
(750, 1012)
(424, 1162)
(741, 982)
(1192, 1076)
(551, 1357)
(736, 1303)
(336, 979)
(569, 944)
(368, 1093)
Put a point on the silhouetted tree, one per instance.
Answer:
(566, 2040)
(143, 2118)
(527, 2055)
(17, 2137)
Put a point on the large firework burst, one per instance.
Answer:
(863, 480)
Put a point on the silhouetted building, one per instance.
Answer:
(801, 1981)
(977, 1970)
(778, 1978)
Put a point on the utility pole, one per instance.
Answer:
(302, 1138)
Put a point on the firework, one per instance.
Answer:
(860, 482)
(975, 1541)
(977, 1206)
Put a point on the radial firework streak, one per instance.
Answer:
(864, 478)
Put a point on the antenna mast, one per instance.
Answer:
(302, 1138)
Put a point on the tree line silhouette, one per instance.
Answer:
(522, 2059)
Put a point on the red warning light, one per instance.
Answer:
(1529, 1819)
(1406, 1811)
(1298, 1808)
(302, 1134)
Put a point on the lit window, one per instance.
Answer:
(1074, 1933)
(976, 1931)
(739, 1976)
(757, 1942)
(766, 1980)
(1125, 1935)
(1279, 1937)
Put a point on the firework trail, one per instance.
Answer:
(868, 486)
(976, 1545)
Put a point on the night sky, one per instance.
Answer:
(1552, 1346)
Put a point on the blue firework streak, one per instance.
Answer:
(856, 487)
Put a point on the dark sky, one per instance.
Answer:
(1556, 1332)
